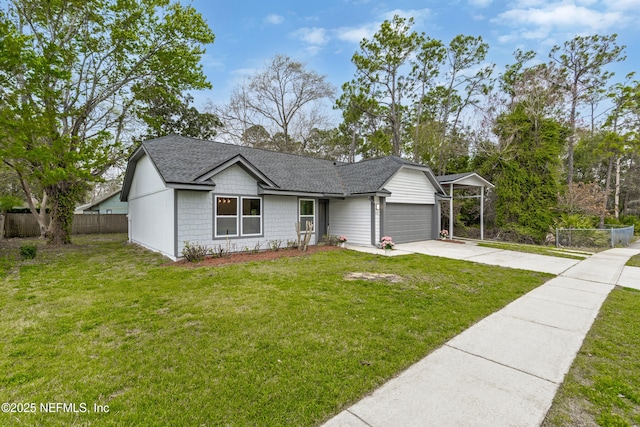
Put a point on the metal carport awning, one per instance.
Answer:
(465, 181)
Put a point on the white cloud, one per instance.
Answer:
(312, 50)
(356, 34)
(366, 31)
(521, 4)
(274, 19)
(314, 36)
(623, 5)
(539, 22)
(419, 15)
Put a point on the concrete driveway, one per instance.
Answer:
(470, 251)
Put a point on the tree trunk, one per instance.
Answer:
(607, 187)
(617, 193)
(41, 216)
(63, 197)
(352, 147)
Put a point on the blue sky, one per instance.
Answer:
(325, 35)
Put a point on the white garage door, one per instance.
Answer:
(408, 223)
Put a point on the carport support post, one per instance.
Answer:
(451, 211)
(482, 213)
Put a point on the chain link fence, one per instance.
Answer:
(594, 237)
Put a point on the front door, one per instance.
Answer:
(323, 218)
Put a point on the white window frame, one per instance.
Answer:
(239, 216)
(300, 216)
(216, 216)
(243, 216)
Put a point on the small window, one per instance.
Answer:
(251, 216)
(307, 214)
(226, 216)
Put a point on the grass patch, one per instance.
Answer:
(603, 385)
(535, 249)
(634, 261)
(284, 342)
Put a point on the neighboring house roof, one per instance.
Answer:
(190, 163)
(464, 180)
(95, 206)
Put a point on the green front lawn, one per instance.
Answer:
(284, 342)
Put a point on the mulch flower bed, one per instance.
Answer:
(267, 255)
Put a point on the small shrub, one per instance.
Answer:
(331, 240)
(275, 245)
(28, 251)
(220, 251)
(195, 252)
(568, 220)
(292, 244)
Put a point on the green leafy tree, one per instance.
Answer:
(582, 61)
(358, 119)
(379, 75)
(256, 136)
(165, 115)
(330, 144)
(526, 171)
(624, 121)
(71, 73)
(426, 68)
(466, 78)
(413, 91)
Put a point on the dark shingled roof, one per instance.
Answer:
(369, 175)
(182, 160)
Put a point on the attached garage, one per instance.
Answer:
(408, 222)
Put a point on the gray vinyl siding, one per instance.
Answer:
(196, 214)
(351, 218)
(410, 186)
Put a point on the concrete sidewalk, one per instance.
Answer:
(506, 369)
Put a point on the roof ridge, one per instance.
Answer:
(246, 147)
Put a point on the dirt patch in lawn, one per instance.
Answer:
(242, 257)
(393, 278)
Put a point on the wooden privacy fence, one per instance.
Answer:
(25, 225)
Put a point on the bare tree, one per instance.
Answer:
(283, 98)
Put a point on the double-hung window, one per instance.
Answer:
(307, 214)
(226, 217)
(251, 216)
(237, 216)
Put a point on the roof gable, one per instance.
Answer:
(244, 164)
(462, 180)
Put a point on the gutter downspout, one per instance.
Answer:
(451, 211)
(482, 213)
